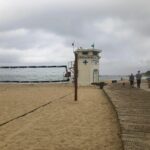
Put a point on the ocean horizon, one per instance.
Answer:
(44, 75)
(32, 74)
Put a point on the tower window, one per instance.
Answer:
(85, 53)
(95, 53)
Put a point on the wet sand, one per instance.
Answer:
(60, 124)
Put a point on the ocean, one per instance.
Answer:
(32, 74)
(113, 77)
(42, 75)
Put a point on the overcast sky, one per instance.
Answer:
(41, 32)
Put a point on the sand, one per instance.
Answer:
(62, 124)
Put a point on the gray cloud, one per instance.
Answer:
(42, 32)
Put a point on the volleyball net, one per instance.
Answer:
(34, 74)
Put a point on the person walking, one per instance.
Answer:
(131, 79)
(138, 79)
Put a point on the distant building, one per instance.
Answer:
(88, 66)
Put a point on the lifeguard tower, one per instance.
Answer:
(88, 66)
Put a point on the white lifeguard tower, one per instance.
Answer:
(88, 66)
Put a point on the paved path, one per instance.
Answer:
(144, 86)
(133, 109)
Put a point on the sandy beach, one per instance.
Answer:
(46, 117)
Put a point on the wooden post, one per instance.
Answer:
(76, 77)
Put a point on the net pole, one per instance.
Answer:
(76, 77)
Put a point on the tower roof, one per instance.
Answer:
(88, 50)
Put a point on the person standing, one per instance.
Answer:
(138, 79)
(131, 79)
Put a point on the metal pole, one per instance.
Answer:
(76, 77)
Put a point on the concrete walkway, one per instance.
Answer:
(133, 108)
(145, 87)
